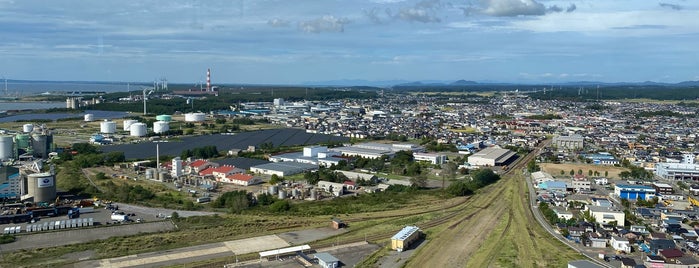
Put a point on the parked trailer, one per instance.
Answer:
(73, 223)
(18, 229)
(57, 225)
(86, 210)
(121, 218)
(6, 230)
(45, 227)
(63, 224)
(90, 222)
(28, 228)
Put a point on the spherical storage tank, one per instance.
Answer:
(164, 117)
(89, 117)
(194, 117)
(108, 127)
(27, 128)
(138, 129)
(6, 148)
(128, 123)
(42, 186)
(161, 127)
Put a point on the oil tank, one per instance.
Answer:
(150, 173)
(108, 127)
(41, 144)
(22, 141)
(128, 123)
(295, 193)
(6, 148)
(194, 117)
(42, 186)
(138, 129)
(164, 117)
(161, 126)
(27, 128)
(89, 117)
(282, 194)
(273, 189)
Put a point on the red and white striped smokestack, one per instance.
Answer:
(208, 79)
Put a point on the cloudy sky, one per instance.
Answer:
(290, 42)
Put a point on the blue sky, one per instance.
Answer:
(291, 42)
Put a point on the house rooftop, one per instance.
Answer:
(405, 233)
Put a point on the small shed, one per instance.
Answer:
(326, 260)
(337, 224)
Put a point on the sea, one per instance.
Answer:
(18, 89)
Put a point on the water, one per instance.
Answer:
(26, 88)
(6, 106)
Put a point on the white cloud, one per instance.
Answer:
(278, 22)
(324, 24)
(511, 8)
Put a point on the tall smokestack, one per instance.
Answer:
(157, 161)
(208, 79)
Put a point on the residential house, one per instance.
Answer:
(620, 244)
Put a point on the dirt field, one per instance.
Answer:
(496, 230)
(555, 169)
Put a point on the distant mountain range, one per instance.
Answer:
(405, 83)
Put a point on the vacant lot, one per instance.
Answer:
(555, 169)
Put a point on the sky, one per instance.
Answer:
(294, 42)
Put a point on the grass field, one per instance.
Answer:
(497, 229)
(555, 169)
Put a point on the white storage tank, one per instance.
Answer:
(42, 186)
(161, 127)
(6, 148)
(194, 117)
(273, 189)
(128, 123)
(108, 127)
(89, 117)
(27, 128)
(282, 194)
(138, 129)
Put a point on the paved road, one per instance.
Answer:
(164, 211)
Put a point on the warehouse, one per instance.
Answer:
(283, 169)
(492, 156)
(633, 192)
(569, 142)
(402, 240)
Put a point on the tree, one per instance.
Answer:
(572, 172)
(175, 215)
(562, 172)
(589, 172)
(532, 166)
(275, 179)
(606, 173)
(580, 171)
(459, 188)
(419, 181)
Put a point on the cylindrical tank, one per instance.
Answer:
(108, 127)
(150, 173)
(161, 126)
(27, 128)
(314, 194)
(138, 129)
(42, 186)
(128, 123)
(41, 143)
(6, 148)
(89, 117)
(22, 141)
(282, 194)
(273, 189)
(194, 117)
(164, 117)
(295, 192)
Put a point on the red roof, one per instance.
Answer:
(349, 183)
(671, 253)
(198, 163)
(207, 171)
(240, 177)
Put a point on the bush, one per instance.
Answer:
(4, 239)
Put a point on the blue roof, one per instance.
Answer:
(326, 257)
(555, 184)
(405, 233)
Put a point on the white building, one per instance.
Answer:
(326, 260)
(581, 185)
(492, 156)
(241, 179)
(605, 215)
(568, 142)
(176, 170)
(677, 171)
(10, 182)
(620, 244)
(283, 168)
(337, 189)
(541, 177)
(435, 159)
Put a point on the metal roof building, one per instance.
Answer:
(492, 156)
(282, 169)
(404, 238)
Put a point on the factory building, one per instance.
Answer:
(435, 159)
(569, 142)
(402, 240)
(678, 171)
(492, 156)
(283, 168)
(10, 182)
(633, 192)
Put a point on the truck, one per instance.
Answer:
(203, 199)
(119, 218)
